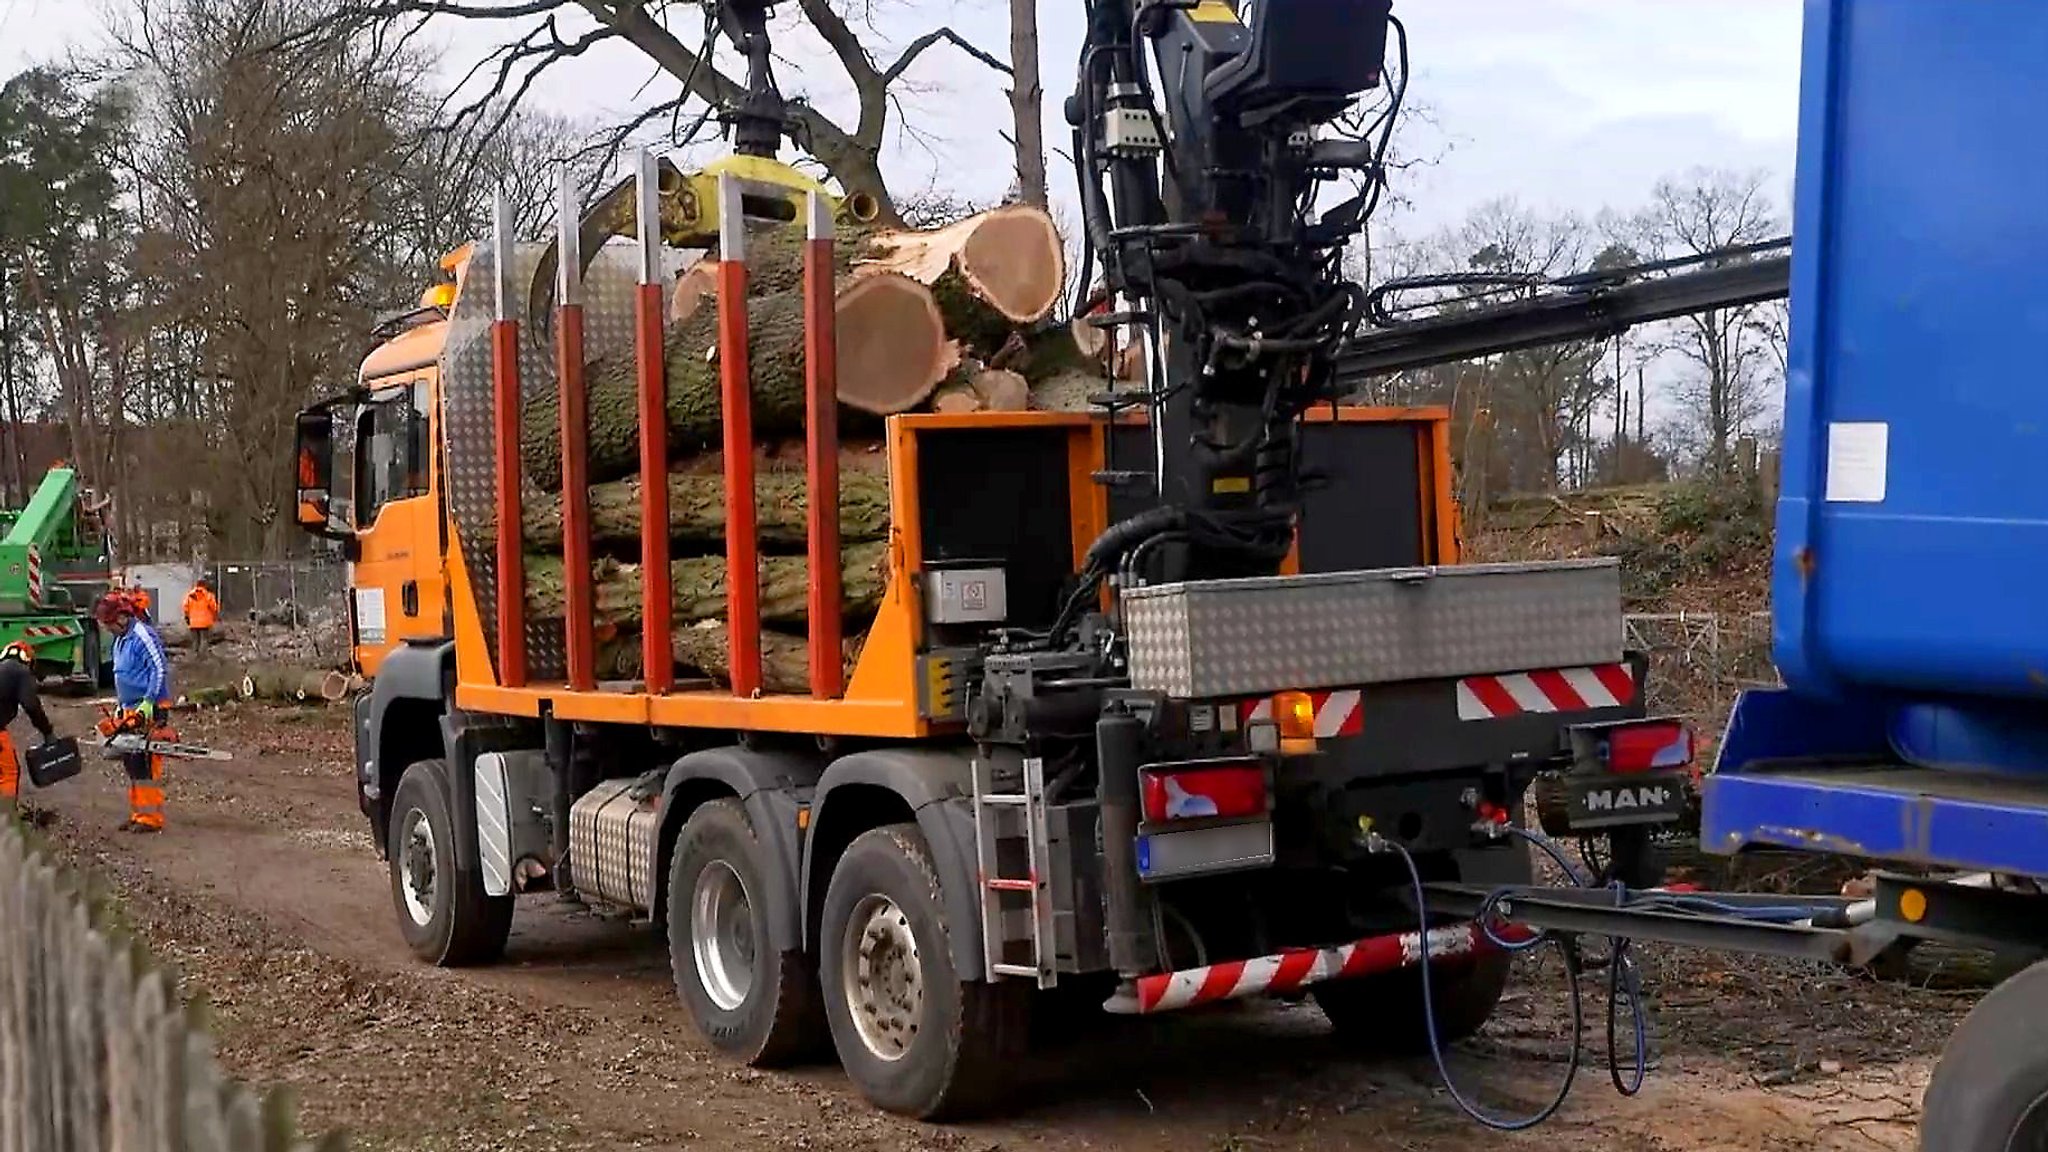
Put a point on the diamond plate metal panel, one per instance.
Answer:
(611, 843)
(1222, 638)
(470, 469)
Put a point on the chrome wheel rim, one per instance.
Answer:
(722, 935)
(881, 977)
(416, 873)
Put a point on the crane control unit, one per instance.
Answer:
(1223, 695)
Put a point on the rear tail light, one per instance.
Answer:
(1647, 746)
(1205, 791)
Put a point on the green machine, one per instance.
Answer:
(55, 560)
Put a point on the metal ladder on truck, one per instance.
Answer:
(1013, 818)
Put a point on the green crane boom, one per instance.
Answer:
(54, 562)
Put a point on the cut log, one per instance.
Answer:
(1000, 390)
(697, 588)
(293, 685)
(702, 648)
(893, 351)
(956, 400)
(1090, 341)
(991, 273)
(696, 510)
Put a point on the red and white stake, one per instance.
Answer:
(511, 590)
(656, 654)
(576, 581)
(736, 399)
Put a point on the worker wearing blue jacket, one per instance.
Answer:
(142, 688)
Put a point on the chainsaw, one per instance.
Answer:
(125, 733)
(135, 743)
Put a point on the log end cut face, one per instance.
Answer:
(1014, 261)
(893, 348)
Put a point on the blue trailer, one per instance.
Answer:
(1910, 575)
(1909, 618)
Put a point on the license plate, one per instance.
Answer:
(1642, 798)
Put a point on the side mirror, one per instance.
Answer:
(313, 453)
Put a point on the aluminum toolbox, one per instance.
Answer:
(1214, 639)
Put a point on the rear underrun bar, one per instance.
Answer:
(1296, 968)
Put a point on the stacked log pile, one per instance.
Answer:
(947, 320)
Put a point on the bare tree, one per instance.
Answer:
(1543, 396)
(277, 188)
(1728, 387)
(1027, 101)
(544, 33)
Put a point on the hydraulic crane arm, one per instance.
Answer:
(52, 506)
(1587, 307)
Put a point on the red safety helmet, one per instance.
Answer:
(20, 650)
(112, 606)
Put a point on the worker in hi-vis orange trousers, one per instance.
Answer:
(142, 688)
(18, 696)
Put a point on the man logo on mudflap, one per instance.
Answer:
(1622, 799)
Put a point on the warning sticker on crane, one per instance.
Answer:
(1857, 464)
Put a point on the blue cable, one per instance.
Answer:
(1623, 980)
(1436, 1048)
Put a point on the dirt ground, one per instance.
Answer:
(266, 895)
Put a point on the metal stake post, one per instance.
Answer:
(742, 563)
(657, 656)
(821, 453)
(576, 581)
(505, 452)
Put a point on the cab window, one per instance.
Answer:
(391, 451)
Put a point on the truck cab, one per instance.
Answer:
(369, 478)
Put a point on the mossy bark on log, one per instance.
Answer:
(698, 588)
(704, 650)
(893, 351)
(990, 273)
(696, 515)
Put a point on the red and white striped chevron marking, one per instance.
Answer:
(1549, 690)
(45, 631)
(1340, 713)
(35, 576)
(1297, 968)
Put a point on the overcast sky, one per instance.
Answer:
(1576, 104)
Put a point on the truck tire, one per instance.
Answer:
(1990, 1090)
(444, 914)
(752, 1002)
(1383, 1015)
(914, 1037)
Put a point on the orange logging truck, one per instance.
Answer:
(1048, 768)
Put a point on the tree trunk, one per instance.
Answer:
(697, 510)
(892, 352)
(703, 648)
(697, 588)
(1026, 99)
(295, 684)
